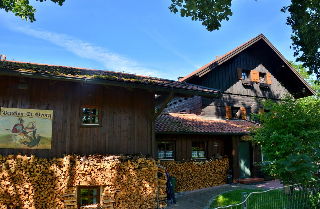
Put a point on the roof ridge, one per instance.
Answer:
(82, 68)
(260, 36)
(104, 77)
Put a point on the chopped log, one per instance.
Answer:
(197, 175)
(31, 182)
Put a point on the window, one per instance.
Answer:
(262, 77)
(88, 195)
(236, 113)
(245, 75)
(91, 115)
(165, 150)
(198, 150)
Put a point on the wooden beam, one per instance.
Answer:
(153, 140)
(153, 132)
(235, 156)
(164, 105)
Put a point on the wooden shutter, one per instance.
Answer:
(228, 112)
(254, 75)
(239, 70)
(243, 113)
(268, 78)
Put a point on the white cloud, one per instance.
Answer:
(162, 41)
(112, 61)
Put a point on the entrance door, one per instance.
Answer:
(244, 159)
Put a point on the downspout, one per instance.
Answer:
(153, 131)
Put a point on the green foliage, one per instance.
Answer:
(308, 76)
(231, 197)
(289, 137)
(22, 8)
(304, 20)
(211, 12)
(275, 198)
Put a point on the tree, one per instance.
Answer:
(211, 13)
(304, 20)
(308, 76)
(289, 136)
(22, 8)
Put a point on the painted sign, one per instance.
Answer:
(25, 128)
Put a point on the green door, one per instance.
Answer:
(244, 160)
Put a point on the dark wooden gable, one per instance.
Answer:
(257, 57)
(227, 77)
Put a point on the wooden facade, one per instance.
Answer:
(236, 92)
(247, 75)
(182, 144)
(126, 116)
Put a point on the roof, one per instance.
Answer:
(220, 60)
(63, 73)
(191, 123)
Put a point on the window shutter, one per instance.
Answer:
(228, 112)
(239, 70)
(268, 78)
(243, 113)
(254, 75)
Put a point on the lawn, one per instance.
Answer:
(263, 199)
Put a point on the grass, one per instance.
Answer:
(231, 197)
(264, 199)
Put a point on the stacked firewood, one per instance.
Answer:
(197, 175)
(31, 182)
(161, 187)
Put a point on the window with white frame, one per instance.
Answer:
(198, 150)
(165, 150)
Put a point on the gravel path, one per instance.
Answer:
(199, 199)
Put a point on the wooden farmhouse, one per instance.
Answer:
(93, 112)
(50, 114)
(200, 128)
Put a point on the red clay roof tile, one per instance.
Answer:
(191, 123)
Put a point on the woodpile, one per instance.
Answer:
(197, 175)
(161, 187)
(125, 182)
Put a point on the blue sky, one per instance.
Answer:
(141, 37)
